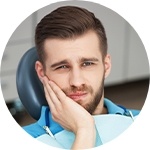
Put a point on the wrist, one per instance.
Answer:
(86, 136)
(87, 124)
(88, 129)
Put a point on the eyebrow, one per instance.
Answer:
(59, 63)
(65, 61)
(89, 59)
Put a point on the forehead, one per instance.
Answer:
(87, 45)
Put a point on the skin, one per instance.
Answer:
(72, 80)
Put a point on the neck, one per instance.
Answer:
(101, 109)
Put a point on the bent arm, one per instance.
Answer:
(71, 116)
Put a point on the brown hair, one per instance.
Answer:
(68, 22)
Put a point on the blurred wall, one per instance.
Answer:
(129, 58)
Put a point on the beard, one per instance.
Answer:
(92, 105)
(96, 97)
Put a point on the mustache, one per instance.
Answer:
(74, 89)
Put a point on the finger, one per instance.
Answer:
(50, 103)
(50, 92)
(53, 108)
(58, 92)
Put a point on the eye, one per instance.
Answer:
(87, 64)
(62, 67)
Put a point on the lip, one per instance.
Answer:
(77, 96)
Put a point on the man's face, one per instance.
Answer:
(76, 66)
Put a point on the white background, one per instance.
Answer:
(12, 13)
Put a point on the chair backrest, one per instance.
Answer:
(29, 87)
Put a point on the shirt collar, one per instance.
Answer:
(113, 108)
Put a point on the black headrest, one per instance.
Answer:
(29, 87)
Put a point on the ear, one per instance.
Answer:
(39, 69)
(107, 65)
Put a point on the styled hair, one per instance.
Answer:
(68, 22)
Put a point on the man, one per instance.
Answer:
(73, 64)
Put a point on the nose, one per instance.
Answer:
(76, 78)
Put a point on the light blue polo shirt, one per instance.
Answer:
(36, 129)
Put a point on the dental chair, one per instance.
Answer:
(29, 87)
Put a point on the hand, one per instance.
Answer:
(70, 115)
(64, 110)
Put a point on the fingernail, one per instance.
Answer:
(41, 79)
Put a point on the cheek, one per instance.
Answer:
(60, 80)
(96, 79)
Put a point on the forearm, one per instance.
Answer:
(85, 138)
